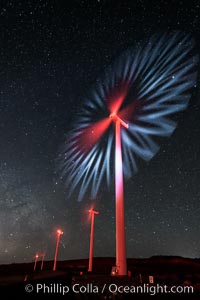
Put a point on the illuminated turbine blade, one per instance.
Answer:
(115, 100)
(90, 135)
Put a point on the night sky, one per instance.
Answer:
(51, 54)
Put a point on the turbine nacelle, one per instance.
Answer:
(93, 212)
(59, 232)
(115, 118)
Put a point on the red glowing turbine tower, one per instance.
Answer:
(121, 263)
(42, 261)
(92, 213)
(35, 263)
(59, 233)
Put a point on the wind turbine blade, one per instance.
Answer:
(90, 135)
(129, 111)
(116, 99)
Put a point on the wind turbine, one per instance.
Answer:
(138, 93)
(58, 233)
(35, 263)
(92, 213)
(42, 261)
